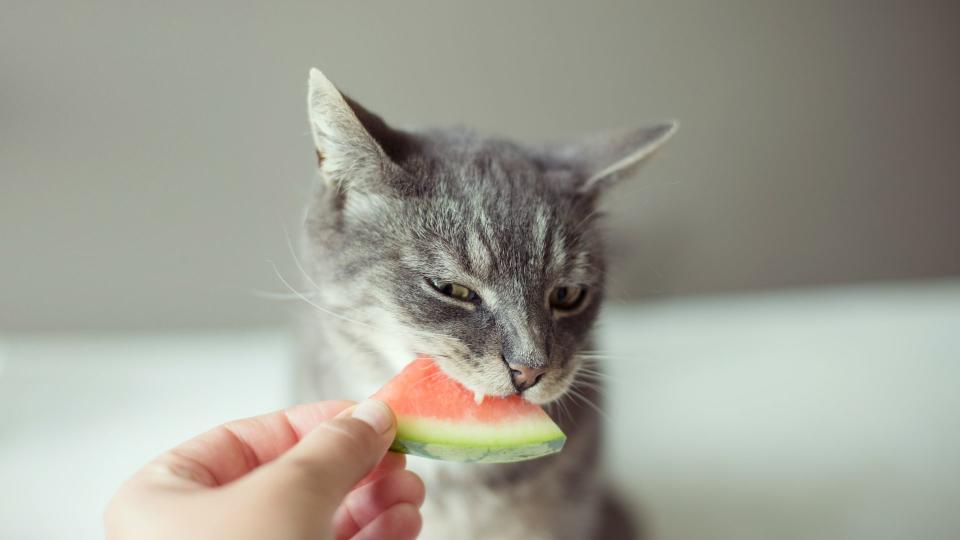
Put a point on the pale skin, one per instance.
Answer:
(317, 471)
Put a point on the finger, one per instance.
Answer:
(232, 450)
(328, 462)
(391, 462)
(365, 504)
(401, 522)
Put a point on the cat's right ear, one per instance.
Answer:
(348, 155)
(605, 158)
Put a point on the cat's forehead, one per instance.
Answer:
(494, 228)
(497, 177)
(498, 191)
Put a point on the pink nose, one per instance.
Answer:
(524, 377)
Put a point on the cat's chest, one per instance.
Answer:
(466, 500)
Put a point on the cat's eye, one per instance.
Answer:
(454, 290)
(567, 298)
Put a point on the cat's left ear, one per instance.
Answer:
(603, 159)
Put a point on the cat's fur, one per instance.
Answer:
(394, 210)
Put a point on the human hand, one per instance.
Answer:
(320, 470)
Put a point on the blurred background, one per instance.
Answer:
(786, 278)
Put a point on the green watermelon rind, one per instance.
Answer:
(465, 454)
(478, 443)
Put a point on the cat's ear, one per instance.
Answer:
(348, 154)
(603, 159)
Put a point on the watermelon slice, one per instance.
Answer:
(439, 418)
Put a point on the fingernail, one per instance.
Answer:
(375, 414)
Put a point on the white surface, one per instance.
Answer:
(78, 415)
(830, 413)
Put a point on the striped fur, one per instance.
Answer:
(393, 210)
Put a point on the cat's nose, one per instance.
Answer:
(524, 377)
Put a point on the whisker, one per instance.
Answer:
(584, 399)
(314, 304)
(299, 264)
(270, 295)
(593, 376)
(592, 385)
(561, 408)
(296, 259)
(606, 356)
(596, 351)
(590, 366)
(415, 337)
(595, 383)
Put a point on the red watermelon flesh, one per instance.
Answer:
(439, 418)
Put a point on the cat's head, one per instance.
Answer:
(481, 253)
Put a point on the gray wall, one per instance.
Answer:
(151, 155)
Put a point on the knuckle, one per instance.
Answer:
(345, 436)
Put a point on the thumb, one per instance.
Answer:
(321, 469)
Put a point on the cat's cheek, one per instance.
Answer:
(551, 389)
(539, 398)
(392, 342)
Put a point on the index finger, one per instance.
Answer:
(232, 450)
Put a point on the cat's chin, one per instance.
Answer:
(543, 398)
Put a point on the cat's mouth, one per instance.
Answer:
(502, 379)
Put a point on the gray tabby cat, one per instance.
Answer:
(485, 255)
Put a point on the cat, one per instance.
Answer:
(485, 255)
